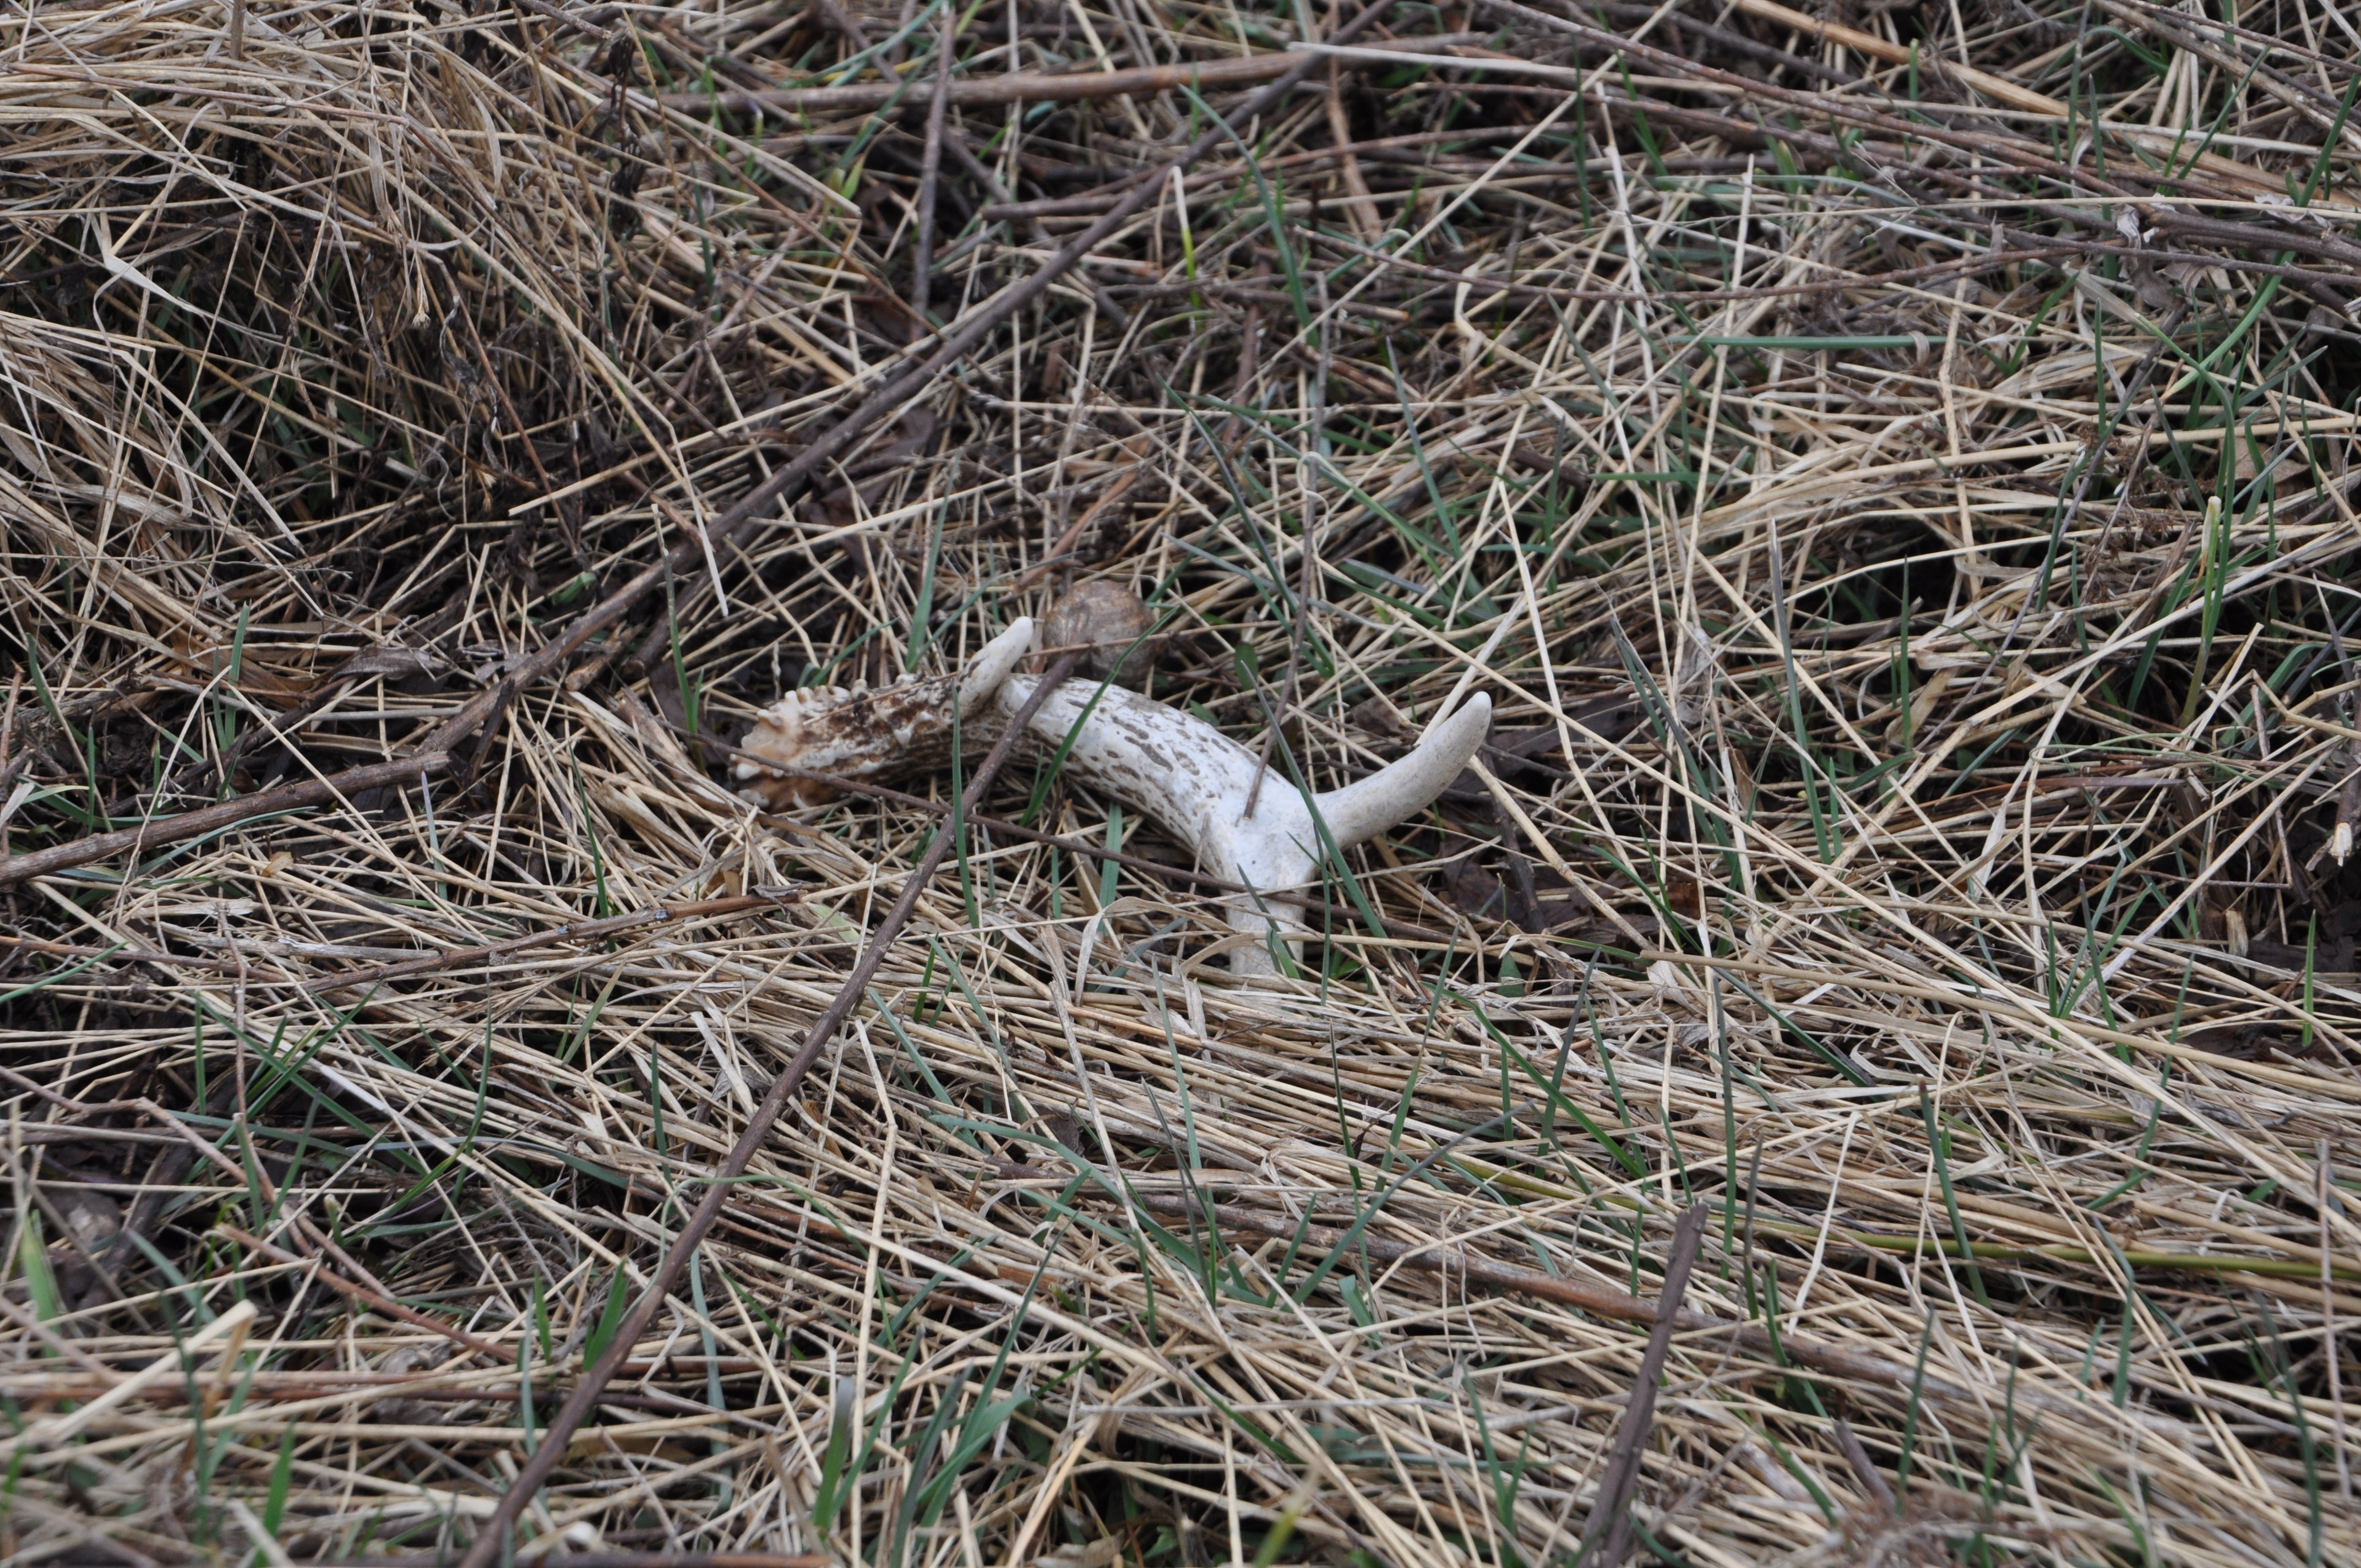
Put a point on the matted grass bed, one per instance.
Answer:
(1892, 470)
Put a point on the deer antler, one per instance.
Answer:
(1173, 766)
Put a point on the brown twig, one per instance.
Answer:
(1030, 86)
(1607, 1539)
(1849, 1444)
(930, 169)
(229, 814)
(1359, 201)
(836, 16)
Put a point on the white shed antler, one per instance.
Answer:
(1175, 767)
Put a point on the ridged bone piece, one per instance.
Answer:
(866, 733)
(1178, 769)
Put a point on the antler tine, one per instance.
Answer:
(1401, 790)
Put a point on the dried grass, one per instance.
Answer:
(1909, 558)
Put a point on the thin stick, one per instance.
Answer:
(2324, 1197)
(1607, 1539)
(491, 1539)
(836, 16)
(1359, 201)
(1858, 1457)
(929, 167)
(229, 814)
(1040, 86)
(7, 738)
